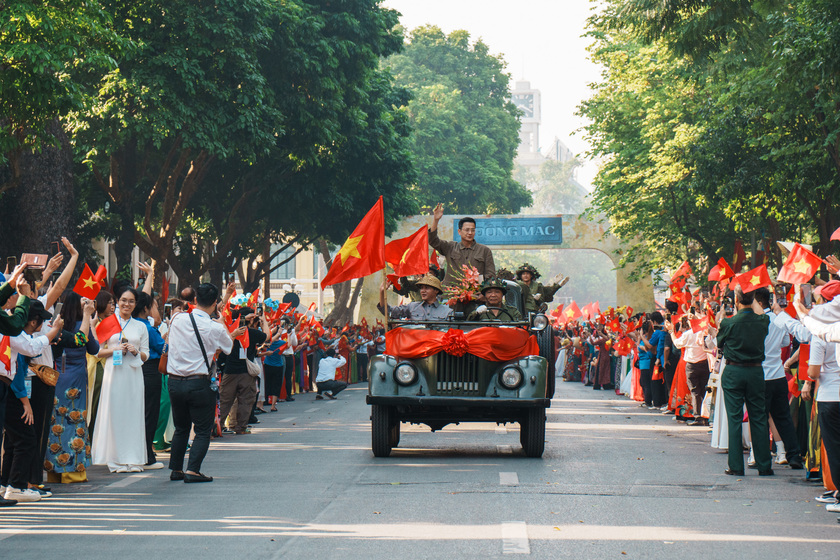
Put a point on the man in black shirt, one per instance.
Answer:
(237, 383)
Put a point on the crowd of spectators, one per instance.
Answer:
(758, 370)
(118, 378)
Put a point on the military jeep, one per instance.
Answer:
(443, 388)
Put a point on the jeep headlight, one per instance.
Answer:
(540, 322)
(405, 373)
(511, 377)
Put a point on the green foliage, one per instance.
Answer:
(465, 130)
(715, 121)
(49, 53)
(554, 187)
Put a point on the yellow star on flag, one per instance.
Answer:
(349, 249)
(569, 312)
(90, 283)
(802, 266)
(755, 280)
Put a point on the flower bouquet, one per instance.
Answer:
(467, 289)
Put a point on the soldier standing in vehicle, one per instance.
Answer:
(536, 293)
(494, 291)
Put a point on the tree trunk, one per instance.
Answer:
(42, 208)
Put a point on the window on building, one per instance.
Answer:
(286, 271)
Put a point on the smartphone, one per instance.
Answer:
(781, 296)
(806, 295)
(54, 249)
(167, 311)
(57, 310)
(11, 262)
(231, 278)
(259, 309)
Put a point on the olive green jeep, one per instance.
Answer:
(443, 388)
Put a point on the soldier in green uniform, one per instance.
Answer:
(533, 292)
(741, 338)
(496, 310)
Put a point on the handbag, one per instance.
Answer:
(657, 374)
(164, 359)
(46, 374)
(254, 369)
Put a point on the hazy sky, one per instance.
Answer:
(541, 42)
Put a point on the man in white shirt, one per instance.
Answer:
(190, 392)
(696, 367)
(776, 401)
(327, 384)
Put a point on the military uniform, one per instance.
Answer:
(741, 339)
(534, 293)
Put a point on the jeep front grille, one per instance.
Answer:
(457, 376)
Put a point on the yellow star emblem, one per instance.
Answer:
(755, 280)
(569, 312)
(350, 249)
(90, 283)
(802, 266)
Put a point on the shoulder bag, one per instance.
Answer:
(254, 368)
(211, 368)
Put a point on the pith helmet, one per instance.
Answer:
(431, 281)
(527, 267)
(494, 283)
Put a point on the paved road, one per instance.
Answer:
(616, 481)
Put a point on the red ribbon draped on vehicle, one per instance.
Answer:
(488, 343)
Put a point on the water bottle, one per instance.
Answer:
(214, 382)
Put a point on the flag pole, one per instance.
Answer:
(385, 283)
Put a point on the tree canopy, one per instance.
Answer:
(714, 121)
(465, 130)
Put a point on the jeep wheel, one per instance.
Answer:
(532, 432)
(395, 431)
(380, 424)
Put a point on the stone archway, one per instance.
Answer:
(562, 231)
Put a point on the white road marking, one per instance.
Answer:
(316, 409)
(515, 538)
(504, 449)
(289, 419)
(508, 479)
(131, 479)
(501, 430)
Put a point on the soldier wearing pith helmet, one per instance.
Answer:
(495, 309)
(536, 293)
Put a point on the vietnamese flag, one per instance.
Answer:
(107, 328)
(433, 260)
(6, 353)
(409, 255)
(364, 251)
(698, 325)
(595, 309)
(681, 274)
(740, 255)
(572, 313)
(800, 266)
(244, 339)
(711, 319)
(721, 271)
(88, 286)
(754, 279)
(254, 299)
(615, 325)
(102, 275)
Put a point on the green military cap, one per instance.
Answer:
(494, 283)
(527, 267)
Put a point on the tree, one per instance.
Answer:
(465, 129)
(554, 187)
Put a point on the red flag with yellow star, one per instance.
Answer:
(800, 266)
(88, 285)
(409, 255)
(754, 279)
(572, 313)
(364, 251)
(721, 271)
(6, 353)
